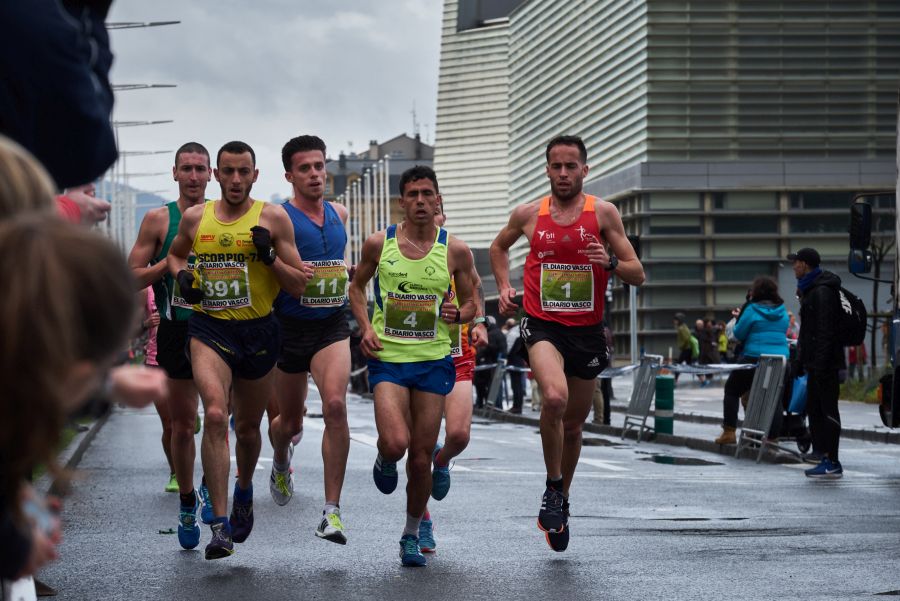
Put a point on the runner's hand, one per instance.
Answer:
(596, 253)
(449, 312)
(506, 305)
(370, 344)
(152, 321)
(137, 386)
(262, 240)
(185, 281)
(479, 336)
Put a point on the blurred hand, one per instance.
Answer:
(137, 386)
(370, 344)
(596, 253)
(506, 305)
(93, 209)
(479, 336)
(449, 311)
(152, 321)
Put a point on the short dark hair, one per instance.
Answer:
(300, 144)
(416, 173)
(193, 147)
(236, 147)
(568, 141)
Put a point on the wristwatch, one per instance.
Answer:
(478, 320)
(613, 263)
(269, 257)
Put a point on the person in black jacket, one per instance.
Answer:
(820, 356)
(487, 355)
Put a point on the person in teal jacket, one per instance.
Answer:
(761, 325)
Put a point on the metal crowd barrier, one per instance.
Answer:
(765, 398)
(642, 396)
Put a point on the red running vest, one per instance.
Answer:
(561, 285)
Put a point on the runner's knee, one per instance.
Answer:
(457, 437)
(334, 413)
(215, 420)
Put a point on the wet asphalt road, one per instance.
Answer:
(640, 529)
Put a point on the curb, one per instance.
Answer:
(71, 456)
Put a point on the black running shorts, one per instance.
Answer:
(303, 338)
(171, 349)
(249, 347)
(583, 348)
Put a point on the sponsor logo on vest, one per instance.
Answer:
(549, 235)
(398, 274)
(545, 253)
(226, 239)
(409, 287)
(207, 237)
(429, 270)
(594, 363)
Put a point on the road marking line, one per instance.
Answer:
(606, 465)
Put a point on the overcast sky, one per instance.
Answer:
(265, 71)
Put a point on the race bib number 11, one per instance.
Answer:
(328, 287)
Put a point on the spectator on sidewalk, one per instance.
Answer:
(821, 356)
(722, 340)
(682, 342)
(856, 362)
(515, 358)
(488, 355)
(760, 326)
(603, 390)
(708, 347)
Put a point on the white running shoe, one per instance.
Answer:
(331, 528)
(281, 485)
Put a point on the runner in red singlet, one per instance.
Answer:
(577, 241)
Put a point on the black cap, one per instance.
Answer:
(810, 256)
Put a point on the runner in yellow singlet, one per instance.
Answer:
(245, 253)
(408, 342)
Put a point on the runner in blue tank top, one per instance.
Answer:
(315, 335)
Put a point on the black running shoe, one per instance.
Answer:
(551, 517)
(241, 520)
(221, 545)
(559, 541)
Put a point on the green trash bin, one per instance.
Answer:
(665, 404)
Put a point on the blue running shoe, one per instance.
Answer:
(241, 520)
(427, 544)
(188, 530)
(206, 508)
(410, 555)
(385, 475)
(826, 470)
(440, 477)
(221, 544)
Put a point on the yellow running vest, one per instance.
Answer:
(236, 285)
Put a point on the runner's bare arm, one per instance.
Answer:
(629, 269)
(511, 232)
(462, 266)
(177, 259)
(147, 246)
(365, 270)
(478, 331)
(290, 271)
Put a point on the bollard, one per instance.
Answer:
(664, 405)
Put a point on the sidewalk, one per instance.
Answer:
(698, 417)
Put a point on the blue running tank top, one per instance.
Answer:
(326, 292)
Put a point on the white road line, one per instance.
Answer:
(606, 465)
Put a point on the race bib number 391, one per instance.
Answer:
(328, 287)
(566, 287)
(411, 316)
(226, 285)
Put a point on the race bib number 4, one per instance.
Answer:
(226, 285)
(411, 316)
(566, 287)
(328, 287)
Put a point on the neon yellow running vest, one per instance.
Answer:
(236, 285)
(408, 298)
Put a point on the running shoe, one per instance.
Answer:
(188, 530)
(172, 486)
(410, 555)
(385, 475)
(331, 528)
(559, 541)
(551, 517)
(281, 485)
(440, 477)
(427, 544)
(241, 520)
(221, 544)
(826, 470)
(206, 508)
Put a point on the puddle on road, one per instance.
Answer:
(602, 442)
(696, 519)
(672, 460)
(314, 415)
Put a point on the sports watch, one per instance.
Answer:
(613, 263)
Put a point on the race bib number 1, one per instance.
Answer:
(411, 316)
(226, 285)
(328, 287)
(566, 287)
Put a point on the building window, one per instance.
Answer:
(679, 297)
(666, 224)
(745, 201)
(668, 249)
(821, 200)
(673, 201)
(663, 272)
(746, 224)
(742, 271)
(822, 224)
(741, 249)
